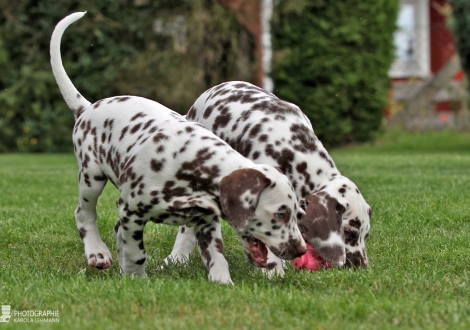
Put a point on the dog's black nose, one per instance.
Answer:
(300, 251)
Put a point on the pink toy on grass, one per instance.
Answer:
(310, 261)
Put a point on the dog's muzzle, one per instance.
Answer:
(290, 251)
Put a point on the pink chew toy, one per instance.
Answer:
(310, 261)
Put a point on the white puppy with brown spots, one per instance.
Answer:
(175, 172)
(270, 131)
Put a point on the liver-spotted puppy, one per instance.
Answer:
(270, 131)
(175, 172)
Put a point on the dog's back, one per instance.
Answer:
(115, 131)
(267, 130)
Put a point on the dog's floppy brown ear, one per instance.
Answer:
(322, 227)
(239, 195)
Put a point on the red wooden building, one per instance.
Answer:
(424, 46)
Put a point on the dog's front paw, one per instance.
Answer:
(221, 279)
(274, 269)
(100, 258)
(219, 272)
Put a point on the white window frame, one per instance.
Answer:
(419, 64)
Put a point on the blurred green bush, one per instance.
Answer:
(167, 50)
(332, 59)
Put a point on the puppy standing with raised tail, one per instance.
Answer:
(175, 172)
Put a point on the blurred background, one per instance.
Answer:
(355, 67)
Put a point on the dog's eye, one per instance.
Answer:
(280, 216)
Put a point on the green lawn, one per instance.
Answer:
(419, 251)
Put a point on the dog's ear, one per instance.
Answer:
(239, 196)
(322, 227)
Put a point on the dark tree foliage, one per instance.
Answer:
(461, 28)
(332, 59)
(167, 50)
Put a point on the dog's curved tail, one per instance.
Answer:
(76, 102)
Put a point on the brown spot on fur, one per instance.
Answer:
(156, 165)
(355, 223)
(136, 128)
(138, 115)
(82, 232)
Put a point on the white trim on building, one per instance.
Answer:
(266, 15)
(412, 44)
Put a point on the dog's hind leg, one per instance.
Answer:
(184, 246)
(129, 232)
(91, 184)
